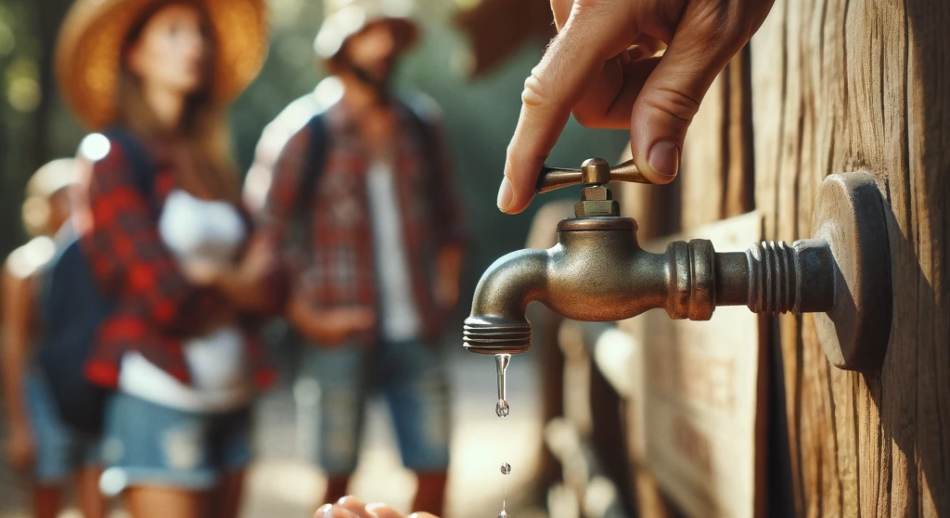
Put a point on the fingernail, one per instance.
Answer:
(504, 195)
(664, 158)
(325, 510)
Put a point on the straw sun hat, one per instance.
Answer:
(94, 32)
(344, 18)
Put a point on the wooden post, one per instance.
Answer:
(840, 86)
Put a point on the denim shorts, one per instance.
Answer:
(335, 383)
(150, 444)
(60, 450)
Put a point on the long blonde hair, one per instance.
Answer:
(202, 150)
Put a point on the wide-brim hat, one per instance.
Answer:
(93, 34)
(344, 18)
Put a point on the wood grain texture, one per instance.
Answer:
(841, 86)
(703, 397)
(716, 183)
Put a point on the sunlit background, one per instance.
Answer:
(480, 111)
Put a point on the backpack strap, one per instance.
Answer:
(143, 167)
(417, 108)
(318, 151)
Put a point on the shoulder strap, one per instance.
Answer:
(143, 168)
(318, 150)
(426, 130)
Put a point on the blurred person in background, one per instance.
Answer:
(39, 442)
(360, 200)
(166, 238)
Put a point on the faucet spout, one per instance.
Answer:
(497, 324)
(595, 272)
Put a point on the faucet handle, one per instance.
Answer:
(593, 172)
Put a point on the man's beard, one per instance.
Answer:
(379, 85)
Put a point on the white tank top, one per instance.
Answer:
(207, 234)
(400, 317)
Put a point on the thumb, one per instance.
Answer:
(701, 47)
(575, 55)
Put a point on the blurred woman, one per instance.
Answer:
(38, 441)
(167, 240)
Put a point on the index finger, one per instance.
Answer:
(554, 86)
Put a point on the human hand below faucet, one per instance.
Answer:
(602, 67)
(351, 507)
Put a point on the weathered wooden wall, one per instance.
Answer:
(837, 86)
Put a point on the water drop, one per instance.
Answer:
(501, 368)
(501, 408)
(505, 468)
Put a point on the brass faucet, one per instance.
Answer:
(598, 272)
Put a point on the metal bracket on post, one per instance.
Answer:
(850, 216)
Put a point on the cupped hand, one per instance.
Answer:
(602, 67)
(351, 507)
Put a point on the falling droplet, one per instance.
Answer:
(501, 408)
(501, 367)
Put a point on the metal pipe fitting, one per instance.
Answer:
(598, 272)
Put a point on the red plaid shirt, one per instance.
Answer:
(335, 264)
(157, 308)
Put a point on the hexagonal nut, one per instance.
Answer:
(814, 275)
(598, 193)
(596, 208)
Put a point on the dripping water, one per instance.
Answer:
(501, 368)
(501, 410)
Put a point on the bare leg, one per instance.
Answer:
(46, 500)
(430, 495)
(163, 502)
(336, 488)
(226, 497)
(90, 499)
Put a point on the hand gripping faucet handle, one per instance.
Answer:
(593, 172)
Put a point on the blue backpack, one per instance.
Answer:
(73, 307)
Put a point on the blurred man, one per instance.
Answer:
(360, 200)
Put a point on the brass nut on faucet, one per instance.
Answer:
(596, 201)
(597, 193)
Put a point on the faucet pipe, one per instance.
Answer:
(598, 272)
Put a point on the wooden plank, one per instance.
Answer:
(841, 86)
(700, 399)
(716, 183)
